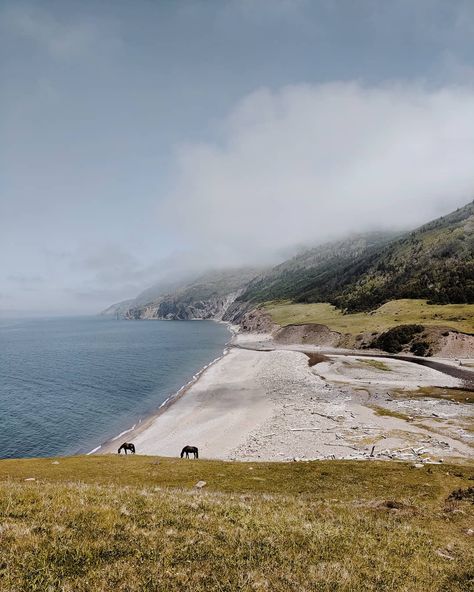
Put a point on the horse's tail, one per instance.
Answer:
(132, 448)
(197, 453)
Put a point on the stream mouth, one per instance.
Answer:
(467, 376)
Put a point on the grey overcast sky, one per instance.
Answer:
(138, 135)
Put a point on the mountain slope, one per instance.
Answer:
(435, 262)
(294, 277)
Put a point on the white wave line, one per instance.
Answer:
(94, 450)
(125, 432)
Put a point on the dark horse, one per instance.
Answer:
(127, 446)
(187, 450)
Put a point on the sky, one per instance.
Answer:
(139, 138)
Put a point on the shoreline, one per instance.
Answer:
(143, 423)
(259, 402)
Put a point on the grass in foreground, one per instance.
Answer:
(136, 523)
(391, 314)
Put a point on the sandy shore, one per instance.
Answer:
(268, 404)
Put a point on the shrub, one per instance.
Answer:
(394, 339)
(420, 348)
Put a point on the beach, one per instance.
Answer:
(263, 401)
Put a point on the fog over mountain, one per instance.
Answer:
(312, 162)
(143, 142)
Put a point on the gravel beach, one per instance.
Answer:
(271, 405)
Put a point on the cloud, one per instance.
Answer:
(265, 10)
(108, 268)
(25, 279)
(30, 283)
(308, 163)
(61, 39)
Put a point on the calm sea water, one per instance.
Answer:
(67, 385)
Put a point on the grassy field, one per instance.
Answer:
(138, 523)
(391, 314)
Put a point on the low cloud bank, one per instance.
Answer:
(308, 163)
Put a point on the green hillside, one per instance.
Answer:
(391, 314)
(130, 524)
(292, 278)
(434, 262)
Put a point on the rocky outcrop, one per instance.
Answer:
(170, 308)
(449, 343)
(257, 321)
(211, 295)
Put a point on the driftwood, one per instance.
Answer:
(343, 445)
(332, 418)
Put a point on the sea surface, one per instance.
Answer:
(69, 384)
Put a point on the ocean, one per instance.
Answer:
(69, 384)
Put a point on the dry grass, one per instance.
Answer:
(383, 411)
(436, 392)
(391, 314)
(135, 524)
(377, 364)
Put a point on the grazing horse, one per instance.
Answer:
(187, 450)
(127, 446)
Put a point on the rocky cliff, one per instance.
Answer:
(173, 308)
(211, 295)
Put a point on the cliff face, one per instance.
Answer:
(173, 308)
(209, 296)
